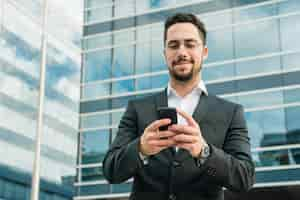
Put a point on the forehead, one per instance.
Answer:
(182, 31)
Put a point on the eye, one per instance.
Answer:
(173, 45)
(190, 45)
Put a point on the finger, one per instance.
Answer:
(181, 138)
(187, 117)
(185, 129)
(158, 123)
(162, 142)
(163, 134)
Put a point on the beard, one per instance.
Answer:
(183, 77)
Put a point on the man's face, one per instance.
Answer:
(184, 51)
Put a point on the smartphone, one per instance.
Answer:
(167, 112)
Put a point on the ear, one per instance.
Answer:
(205, 53)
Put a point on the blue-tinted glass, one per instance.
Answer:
(94, 190)
(122, 86)
(292, 95)
(272, 158)
(258, 66)
(290, 32)
(291, 61)
(94, 146)
(256, 39)
(217, 19)
(255, 13)
(278, 176)
(124, 37)
(95, 90)
(143, 83)
(261, 99)
(157, 58)
(121, 188)
(121, 102)
(266, 128)
(116, 117)
(96, 3)
(157, 32)
(20, 191)
(123, 8)
(92, 174)
(9, 190)
(97, 65)
(218, 72)
(288, 6)
(220, 45)
(99, 14)
(123, 62)
(160, 81)
(97, 42)
(293, 125)
(91, 121)
(93, 106)
(232, 99)
(143, 58)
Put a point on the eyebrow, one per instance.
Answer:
(185, 40)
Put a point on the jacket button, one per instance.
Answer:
(172, 197)
(176, 163)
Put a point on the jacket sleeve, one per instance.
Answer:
(232, 166)
(122, 161)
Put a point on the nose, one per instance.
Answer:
(182, 51)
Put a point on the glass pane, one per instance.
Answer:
(272, 158)
(119, 87)
(261, 99)
(97, 65)
(258, 66)
(122, 188)
(92, 174)
(157, 57)
(94, 146)
(248, 44)
(93, 190)
(218, 72)
(143, 58)
(220, 45)
(93, 121)
(123, 61)
(95, 90)
(266, 128)
(290, 32)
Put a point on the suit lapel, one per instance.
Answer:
(198, 115)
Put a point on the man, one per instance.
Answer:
(207, 150)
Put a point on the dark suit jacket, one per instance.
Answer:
(170, 175)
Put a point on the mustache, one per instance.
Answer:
(182, 60)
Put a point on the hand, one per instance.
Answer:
(188, 137)
(151, 141)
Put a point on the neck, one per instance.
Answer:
(184, 88)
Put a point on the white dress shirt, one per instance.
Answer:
(188, 103)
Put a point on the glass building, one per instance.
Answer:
(20, 43)
(254, 56)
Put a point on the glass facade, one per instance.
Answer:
(20, 43)
(253, 60)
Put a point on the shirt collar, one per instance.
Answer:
(200, 87)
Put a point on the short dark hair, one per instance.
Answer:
(185, 18)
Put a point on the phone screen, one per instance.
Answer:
(167, 112)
